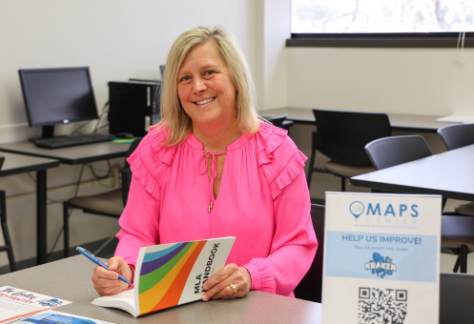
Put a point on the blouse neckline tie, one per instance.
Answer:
(213, 174)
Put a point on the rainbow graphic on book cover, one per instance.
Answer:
(172, 274)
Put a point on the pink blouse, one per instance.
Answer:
(263, 201)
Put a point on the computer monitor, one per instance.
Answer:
(57, 96)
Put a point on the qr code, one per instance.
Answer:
(382, 306)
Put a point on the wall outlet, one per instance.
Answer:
(115, 177)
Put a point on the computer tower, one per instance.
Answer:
(134, 106)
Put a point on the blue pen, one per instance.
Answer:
(92, 257)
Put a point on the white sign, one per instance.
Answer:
(381, 258)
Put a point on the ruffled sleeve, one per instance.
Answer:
(279, 158)
(139, 222)
(150, 162)
(294, 243)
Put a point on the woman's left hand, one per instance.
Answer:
(218, 286)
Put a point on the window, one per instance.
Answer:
(372, 20)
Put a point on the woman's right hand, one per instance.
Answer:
(106, 282)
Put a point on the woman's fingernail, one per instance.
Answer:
(204, 287)
(204, 297)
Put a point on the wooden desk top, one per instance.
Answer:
(17, 163)
(70, 279)
(70, 155)
(450, 174)
(401, 122)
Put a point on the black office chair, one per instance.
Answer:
(456, 136)
(280, 121)
(455, 303)
(341, 136)
(6, 233)
(311, 286)
(110, 204)
(395, 150)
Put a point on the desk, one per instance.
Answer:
(399, 122)
(68, 155)
(450, 174)
(70, 279)
(15, 164)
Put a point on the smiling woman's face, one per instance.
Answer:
(205, 87)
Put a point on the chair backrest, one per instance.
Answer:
(126, 172)
(310, 287)
(2, 159)
(277, 120)
(456, 136)
(395, 150)
(343, 134)
(456, 298)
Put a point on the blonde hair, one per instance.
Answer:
(177, 123)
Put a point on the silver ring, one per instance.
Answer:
(234, 288)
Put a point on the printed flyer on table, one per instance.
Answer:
(16, 303)
(381, 258)
(53, 317)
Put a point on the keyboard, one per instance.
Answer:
(72, 140)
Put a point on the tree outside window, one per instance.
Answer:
(382, 16)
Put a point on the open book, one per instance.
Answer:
(170, 274)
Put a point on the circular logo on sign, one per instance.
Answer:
(356, 208)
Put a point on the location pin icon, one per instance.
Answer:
(356, 208)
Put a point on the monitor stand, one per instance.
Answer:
(47, 131)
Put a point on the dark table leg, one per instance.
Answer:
(41, 215)
(463, 251)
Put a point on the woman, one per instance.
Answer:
(211, 169)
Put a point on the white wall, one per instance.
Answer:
(412, 81)
(117, 39)
(272, 28)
